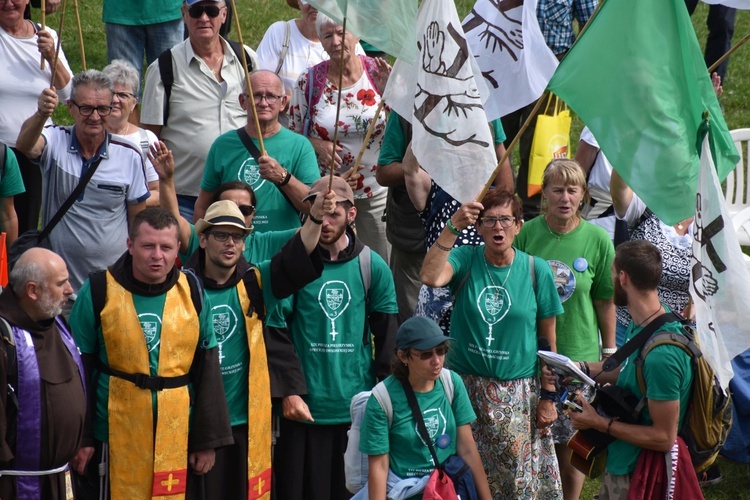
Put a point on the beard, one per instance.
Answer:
(620, 297)
(49, 307)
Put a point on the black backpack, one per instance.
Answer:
(166, 71)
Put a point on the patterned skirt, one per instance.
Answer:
(519, 461)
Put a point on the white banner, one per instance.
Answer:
(737, 4)
(720, 282)
(442, 99)
(511, 53)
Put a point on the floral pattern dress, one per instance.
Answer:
(358, 106)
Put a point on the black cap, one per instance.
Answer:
(419, 333)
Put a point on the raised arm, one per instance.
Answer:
(163, 162)
(436, 271)
(30, 141)
(321, 207)
(417, 181)
(621, 193)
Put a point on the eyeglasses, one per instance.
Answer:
(122, 95)
(441, 350)
(270, 99)
(505, 222)
(222, 236)
(247, 209)
(196, 11)
(89, 110)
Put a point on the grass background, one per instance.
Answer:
(257, 15)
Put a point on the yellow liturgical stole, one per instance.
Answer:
(147, 461)
(258, 404)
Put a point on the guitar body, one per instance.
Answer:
(587, 457)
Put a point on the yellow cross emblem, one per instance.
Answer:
(171, 481)
(259, 485)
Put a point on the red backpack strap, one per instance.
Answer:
(371, 68)
(316, 84)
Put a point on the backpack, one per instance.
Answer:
(356, 466)
(166, 72)
(709, 414)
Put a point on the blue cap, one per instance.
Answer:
(193, 2)
(419, 333)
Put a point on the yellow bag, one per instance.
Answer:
(551, 141)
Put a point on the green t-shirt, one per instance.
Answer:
(581, 262)
(229, 160)
(88, 339)
(408, 454)
(228, 320)
(326, 323)
(141, 12)
(11, 183)
(668, 374)
(258, 246)
(495, 325)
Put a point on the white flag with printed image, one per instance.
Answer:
(442, 99)
(719, 279)
(511, 53)
(737, 4)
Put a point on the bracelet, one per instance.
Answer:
(453, 228)
(588, 370)
(584, 367)
(286, 179)
(609, 425)
(314, 220)
(545, 394)
(609, 350)
(443, 248)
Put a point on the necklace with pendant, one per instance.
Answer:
(502, 285)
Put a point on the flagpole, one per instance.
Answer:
(511, 146)
(80, 35)
(59, 40)
(370, 130)
(338, 105)
(249, 85)
(44, 25)
(729, 53)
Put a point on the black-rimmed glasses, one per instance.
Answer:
(222, 236)
(246, 209)
(89, 110)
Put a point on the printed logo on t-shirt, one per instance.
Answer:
(250, 173)
(224, 321)
(565, 279)
(150, 324)
(435, 422)
(493, 304)
(334, 297)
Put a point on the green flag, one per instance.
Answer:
(638, 80)
(389, 25)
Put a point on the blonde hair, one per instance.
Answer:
(568, 173)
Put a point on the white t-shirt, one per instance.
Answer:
(22, 82)
(598, 184)
(302, 54)
(142, 139)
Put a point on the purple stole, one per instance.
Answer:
(29, 393)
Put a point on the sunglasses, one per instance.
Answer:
(440, 351)
(246, 209)
(222, 236)
(196, 11)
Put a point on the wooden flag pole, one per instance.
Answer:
(249, 85)
(59, 40)
(338, 106)
(510, 147)
(80, 35)
(44, 25)
(729, 53)
(370, 130)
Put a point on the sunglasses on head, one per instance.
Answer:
(439, 350)
(196, 11)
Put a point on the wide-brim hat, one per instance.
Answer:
(339, 186)
(222, 213)
(419, 333)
